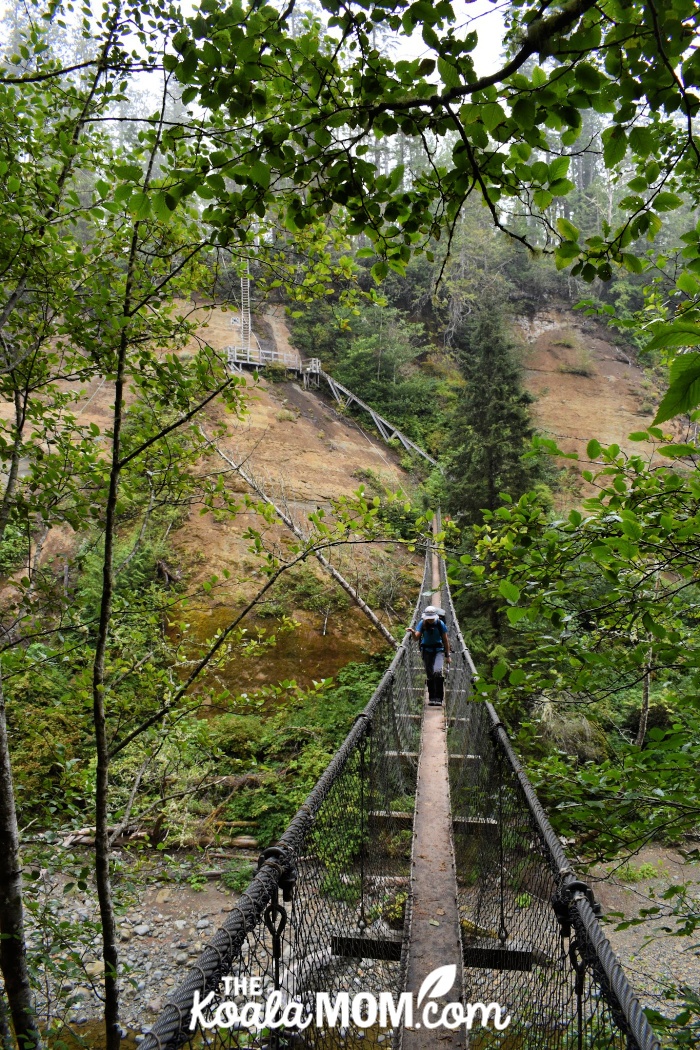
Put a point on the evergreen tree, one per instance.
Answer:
(492, 424)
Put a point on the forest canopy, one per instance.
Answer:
(295, 109)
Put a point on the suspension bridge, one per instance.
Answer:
(422, 852)
(420, 869)
(246, 351)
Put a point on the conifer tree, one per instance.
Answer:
(492, 424)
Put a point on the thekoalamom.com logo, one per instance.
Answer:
(363, 1009)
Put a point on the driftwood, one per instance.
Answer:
(236, 823)
(166, 573)
(128, 833)
(246, 780)
(86, 836)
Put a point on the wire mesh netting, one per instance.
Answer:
(329, 910)
(531, 937)
(326, 911)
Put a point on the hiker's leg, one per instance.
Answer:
(438, 680)
(429, 660)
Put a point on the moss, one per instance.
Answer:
(236, 735)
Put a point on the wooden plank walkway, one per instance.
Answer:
(435, 934)
(435, 931)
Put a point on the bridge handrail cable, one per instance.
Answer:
(342, 867)
(573, 902)
(278, 866)
(381, 423)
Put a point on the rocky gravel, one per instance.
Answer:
(657, 963)
(166, 927)
(160, 936)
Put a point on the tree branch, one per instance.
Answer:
(537, 39)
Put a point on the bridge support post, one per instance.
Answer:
(435, 936)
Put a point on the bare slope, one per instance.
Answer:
(305, 455)
(586, 386)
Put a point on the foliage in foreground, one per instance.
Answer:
(599, 614)
(257, 763)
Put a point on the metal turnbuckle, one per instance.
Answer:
(283, 858)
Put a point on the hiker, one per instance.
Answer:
(431, 632)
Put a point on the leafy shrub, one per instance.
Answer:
(238, 875)
(392, 909)
(14, 549)
(275, 373)
(628, 873)
(236, 735)
(342, 888)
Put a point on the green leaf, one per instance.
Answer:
(678, 451)
(652, 626)
(667, 201)
(123, 192)
(449, 74)
(632, 262)
(380, 270)
(542, 198)
(642, 141)
(469, 113)
(631, 529)
(525, 112)
(129, 172)
(684, 391)
(593, 449)
(587, 76)
(681, 333)
(638, 435)
(492, 114)
(260, 174)
(564, 253)
(567, 229)
(515, 614)
(160, 206)
(560, 187)
(140, 205)
(509, 591)
(499, 671)
(688, 283)
(614, 145)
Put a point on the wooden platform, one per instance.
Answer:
(435, 931)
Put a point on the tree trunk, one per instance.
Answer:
(648, 663)
(110, 952)
(13, 951)
(6, 1042)
(6, 505)
(102, 847)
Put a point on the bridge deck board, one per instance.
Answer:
(435, 934)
